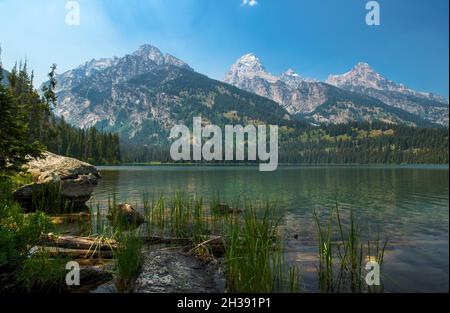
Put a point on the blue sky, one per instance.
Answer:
(314, 37)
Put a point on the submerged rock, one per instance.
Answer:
(126, 215)
(171, 271)
(60, 179)
(223, 208)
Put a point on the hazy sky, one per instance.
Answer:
(314, 37)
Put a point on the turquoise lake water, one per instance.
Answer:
(408, 205)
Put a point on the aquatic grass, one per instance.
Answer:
(342, 259)
(128, 257)
(186, 217)
(254, 260)
(50, 199)
(253, 256)
(325, 271)
(294, 279)
(99, 222)
(180, 215)
(156, 215)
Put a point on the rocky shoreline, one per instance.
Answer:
(168, 264)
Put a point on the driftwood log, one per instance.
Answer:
(82, 243)
(215, 244)
(76, 254)
(91, 247)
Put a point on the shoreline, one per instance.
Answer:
(285, 165)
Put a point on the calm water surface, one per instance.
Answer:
(409, 205)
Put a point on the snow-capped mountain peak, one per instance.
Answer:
(250, 62)
(141, 61)
(363, 66)
(248, 66)
(365, 80)
(363, 76)
(291, 78)
(289, 89)
(150, 53)
(300, 95)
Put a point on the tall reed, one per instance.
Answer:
(128, 258)
(342, 255)
(254, 260)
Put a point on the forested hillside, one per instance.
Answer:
(355, 143)
(367, 143)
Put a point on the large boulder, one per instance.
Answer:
(58, 178)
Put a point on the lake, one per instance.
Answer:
(408, 205)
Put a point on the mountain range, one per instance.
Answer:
(143, 94)
(361, 94)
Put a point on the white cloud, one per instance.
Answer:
(249, 2)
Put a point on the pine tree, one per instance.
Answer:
(15, 147)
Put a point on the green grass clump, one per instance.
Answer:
(41, 273)
(254, 259)
(128, 258)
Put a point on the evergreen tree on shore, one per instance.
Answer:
(15, 144)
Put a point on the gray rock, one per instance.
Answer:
(74, 180)
(126, 215)
(170, 271)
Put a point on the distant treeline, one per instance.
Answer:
(90, 145)
(368, 143)
(356, 143)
